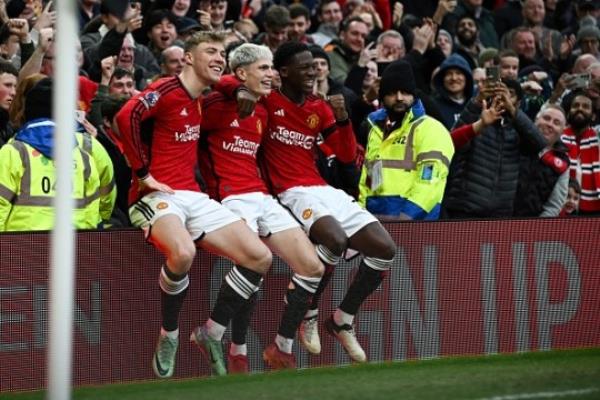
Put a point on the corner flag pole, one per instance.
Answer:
(62, 273)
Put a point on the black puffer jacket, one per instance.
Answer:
(484, 173)
(6, 130)
(537, 180)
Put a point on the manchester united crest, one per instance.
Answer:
(162, 205)
(306, 214)
(312, 121)
(259, 127)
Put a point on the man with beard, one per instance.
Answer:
(467, 40)
(584, 150)
(481, 15)
(408, 153)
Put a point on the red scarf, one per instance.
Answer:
(585, 152)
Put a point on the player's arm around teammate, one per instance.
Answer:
(166, 201)
(231, 171)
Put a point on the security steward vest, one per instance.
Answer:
(28, 186)
(106, 173)
(405, 172)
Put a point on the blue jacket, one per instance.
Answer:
(449, 108)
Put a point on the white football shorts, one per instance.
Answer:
(261, 212)
(198, 213)
(309, 203)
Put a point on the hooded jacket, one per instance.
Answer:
(450, 109)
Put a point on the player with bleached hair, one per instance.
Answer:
(228, 161)
(297, 121)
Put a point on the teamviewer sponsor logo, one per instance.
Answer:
(242, 146)
(292, 138)
(191, 133)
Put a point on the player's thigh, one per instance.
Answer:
(237, 242)
(170, 236)
(373, 240)
(294, 247)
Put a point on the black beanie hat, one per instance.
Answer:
(38, 100)
(318, 52)
(397, 76)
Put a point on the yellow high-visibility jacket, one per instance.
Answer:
(28, 186)
(405, 172)
(106, 173)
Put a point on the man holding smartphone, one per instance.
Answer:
(480, 186)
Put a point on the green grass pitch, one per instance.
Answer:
(567, 374)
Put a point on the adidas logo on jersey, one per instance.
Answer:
(280, 113)
(184, 112)
(235, 124)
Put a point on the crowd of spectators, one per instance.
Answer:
(515, 82)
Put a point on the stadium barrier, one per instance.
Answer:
(456, 288)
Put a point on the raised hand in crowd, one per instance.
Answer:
(132, 19)
(89, 127)
(397, 15)
(566, 46)
(372, 92)
(20, 28)
(532, 87)
(486, 91)
(423, 36)
(107, 66)
(3, 15)
(444, 7)
(502, 97)
(566, 81)
(338, 105)
(369, 9)
(46, 19)
(367, 54)
(46, 38)
(204, 19)
(433, 25)
(490, 113)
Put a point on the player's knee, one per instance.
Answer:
(181, 257)
(260, 261)
(382, 247)
(388, 250)
(337, 243)
(313, 267)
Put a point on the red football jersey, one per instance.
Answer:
(289, 151)
(167, 148)
(228, 147)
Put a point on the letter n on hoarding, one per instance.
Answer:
(408, 319)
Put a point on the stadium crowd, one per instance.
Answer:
(415, 110)
(516, 84)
